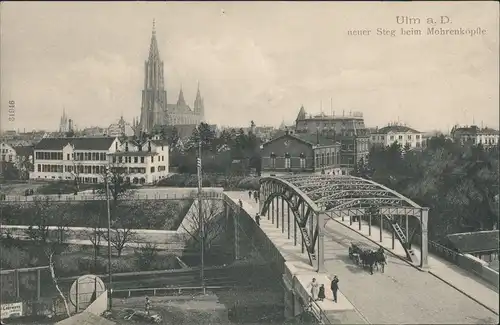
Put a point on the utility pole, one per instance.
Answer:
(200, 215)
(110, 281)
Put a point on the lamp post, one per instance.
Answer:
(200, 215)
(110, 281)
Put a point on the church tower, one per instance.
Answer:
(199, 108)
(154, 95)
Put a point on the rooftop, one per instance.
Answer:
(133, 154)
(311, 139)
(475, 242)
(24, 150)
(81, 143)
(396, 129)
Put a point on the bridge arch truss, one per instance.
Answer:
(313, 200)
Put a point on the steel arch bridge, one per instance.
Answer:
(313, 200)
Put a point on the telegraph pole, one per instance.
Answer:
(200, 215)
(110, 281)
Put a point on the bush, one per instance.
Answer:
(63, 187)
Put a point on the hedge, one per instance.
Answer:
(140, 214)
(212, 180)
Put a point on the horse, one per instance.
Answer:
(368, 259)
(380, 259)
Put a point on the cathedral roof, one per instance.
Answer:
(154, 53)
(181, 101)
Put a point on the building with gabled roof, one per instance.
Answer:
(397, 133)
(301, 153)
(481, 244)
(83, 159)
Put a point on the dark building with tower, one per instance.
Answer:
(155, 110)
(347, 129)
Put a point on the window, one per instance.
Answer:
(67, 156)
(120, 159)
(409, 136)
(152, 159)
(417, 136)
(39, 168)
(273, 160)
(136, 160)
(392, 138)
(152, 169)
(142, 160)
(287, 161)
(400, 137)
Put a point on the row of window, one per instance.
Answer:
(321, 160)
(487, 142)
(288, 162)
(136, 160)
(81, 156)
(400, 137)
(92, 169)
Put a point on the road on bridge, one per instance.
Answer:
(401, 295)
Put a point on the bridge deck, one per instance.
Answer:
(401, 295)
(475, 287)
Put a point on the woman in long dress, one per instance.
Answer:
(314, 289)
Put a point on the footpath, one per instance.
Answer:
(463, 281)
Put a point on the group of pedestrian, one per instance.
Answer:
(255, 195)
(318, 291)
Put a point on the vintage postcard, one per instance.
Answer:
(257, 162)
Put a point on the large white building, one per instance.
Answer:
(395, 133)
(86, 159)
(145, 162)
(69, 158)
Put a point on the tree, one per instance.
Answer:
(212, 222)
(62, 218)
(118, 184)
(122, 227)
(146, 255)
(94, 233)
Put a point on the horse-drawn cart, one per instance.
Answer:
(367, 255)
(357, 250)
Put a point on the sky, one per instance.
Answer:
(254, 61)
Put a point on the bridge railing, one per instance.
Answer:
(97, 197)
(174, 291)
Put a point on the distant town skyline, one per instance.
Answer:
(254, 61)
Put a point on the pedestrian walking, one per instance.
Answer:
(147, 305)
(335, 287)
(240, 203)
(321, 293)
(256, 196)
(257, 219)
(314, 289)
(249, 194)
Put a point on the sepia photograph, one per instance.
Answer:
(249, 162)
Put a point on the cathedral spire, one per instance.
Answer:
(153, 48)
(181, 101)
(198, 102)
